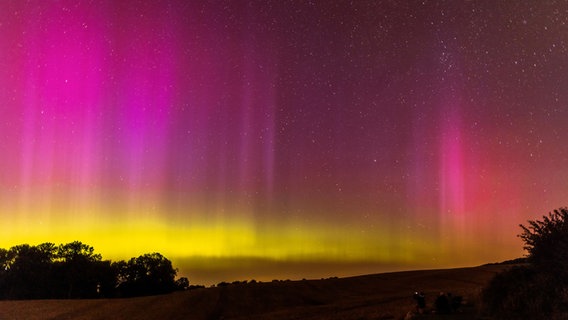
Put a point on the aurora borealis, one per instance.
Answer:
(370, 135)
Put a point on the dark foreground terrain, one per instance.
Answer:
(380, 296)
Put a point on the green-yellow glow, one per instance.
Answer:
(128, 227)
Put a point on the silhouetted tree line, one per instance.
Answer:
(538, 287)
(74, 270)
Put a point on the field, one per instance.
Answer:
(379, 296)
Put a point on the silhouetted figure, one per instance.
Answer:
(442, 304)
(420, 302)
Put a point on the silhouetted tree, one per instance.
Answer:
(148, 274)
(182, 283)
(107, 281)
(4, 265)
(538, 290)
(78, 269)
(28, 271)
(546, 242)
(74, 270)
(121, 270)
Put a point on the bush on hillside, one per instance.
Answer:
(538, 290)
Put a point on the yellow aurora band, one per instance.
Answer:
(120, 231)
(119, 235)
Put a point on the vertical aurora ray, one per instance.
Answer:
(143, 88)
(60, 110)
(452, 184)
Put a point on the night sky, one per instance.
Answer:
(274, 139)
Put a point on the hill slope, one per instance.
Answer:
(380, 296)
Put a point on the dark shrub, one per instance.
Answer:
(538, 290)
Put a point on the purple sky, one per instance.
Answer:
(334, 133)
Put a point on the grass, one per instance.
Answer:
(379, 296)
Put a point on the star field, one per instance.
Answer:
(369, 135)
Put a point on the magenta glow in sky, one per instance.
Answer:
(366, 133)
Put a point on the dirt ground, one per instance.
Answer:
(380, 296)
